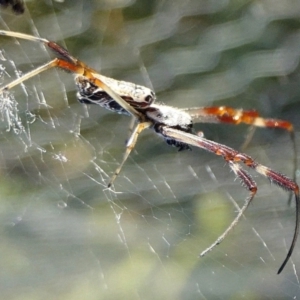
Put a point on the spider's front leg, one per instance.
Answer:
(69, 63)
(234, 157)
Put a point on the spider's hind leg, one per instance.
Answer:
(229, 115)
(234, 157)
(250, 184)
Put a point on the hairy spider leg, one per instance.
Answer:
(233, 157)
(129, 146)
(69, 63)
(225, 114)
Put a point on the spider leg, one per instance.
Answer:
(23, 36)
(29, 75)
(225, 114)
(68, 63)
(130, 145)
(232, 156)
(250, 184)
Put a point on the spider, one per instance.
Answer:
(174, 125)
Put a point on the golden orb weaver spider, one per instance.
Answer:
(173, 124)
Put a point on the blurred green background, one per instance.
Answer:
(64, 235)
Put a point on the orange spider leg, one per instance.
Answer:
(71, 64)
(78, 67)
(225, 114)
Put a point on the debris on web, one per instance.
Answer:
(9, 106)
(10, 113)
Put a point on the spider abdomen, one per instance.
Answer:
(162, 115)
(137, 96)
(170, 116)
(89, 93)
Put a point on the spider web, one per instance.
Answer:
(65, 235)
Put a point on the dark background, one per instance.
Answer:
(64, 235)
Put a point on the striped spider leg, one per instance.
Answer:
(229, 115)
(234, 158)
(173, 124)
